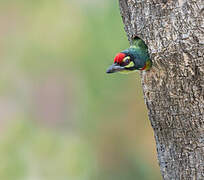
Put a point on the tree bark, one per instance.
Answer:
(174, 87)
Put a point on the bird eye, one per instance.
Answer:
(126, 60)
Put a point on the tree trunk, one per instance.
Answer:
(174, 87)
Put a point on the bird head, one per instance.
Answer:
(123, 62)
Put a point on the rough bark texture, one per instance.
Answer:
(174, 87)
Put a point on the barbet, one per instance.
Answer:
(136, 57)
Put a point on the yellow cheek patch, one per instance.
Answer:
(130, 64)
(126, 71)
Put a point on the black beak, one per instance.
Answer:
(114, 68)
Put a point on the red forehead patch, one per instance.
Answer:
(119, 58)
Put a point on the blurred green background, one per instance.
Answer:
(62, 117)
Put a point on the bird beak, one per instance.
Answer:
(114, 68)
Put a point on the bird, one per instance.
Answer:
(136, 57)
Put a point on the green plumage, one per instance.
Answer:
(139, 53)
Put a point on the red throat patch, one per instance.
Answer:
(119, 58)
